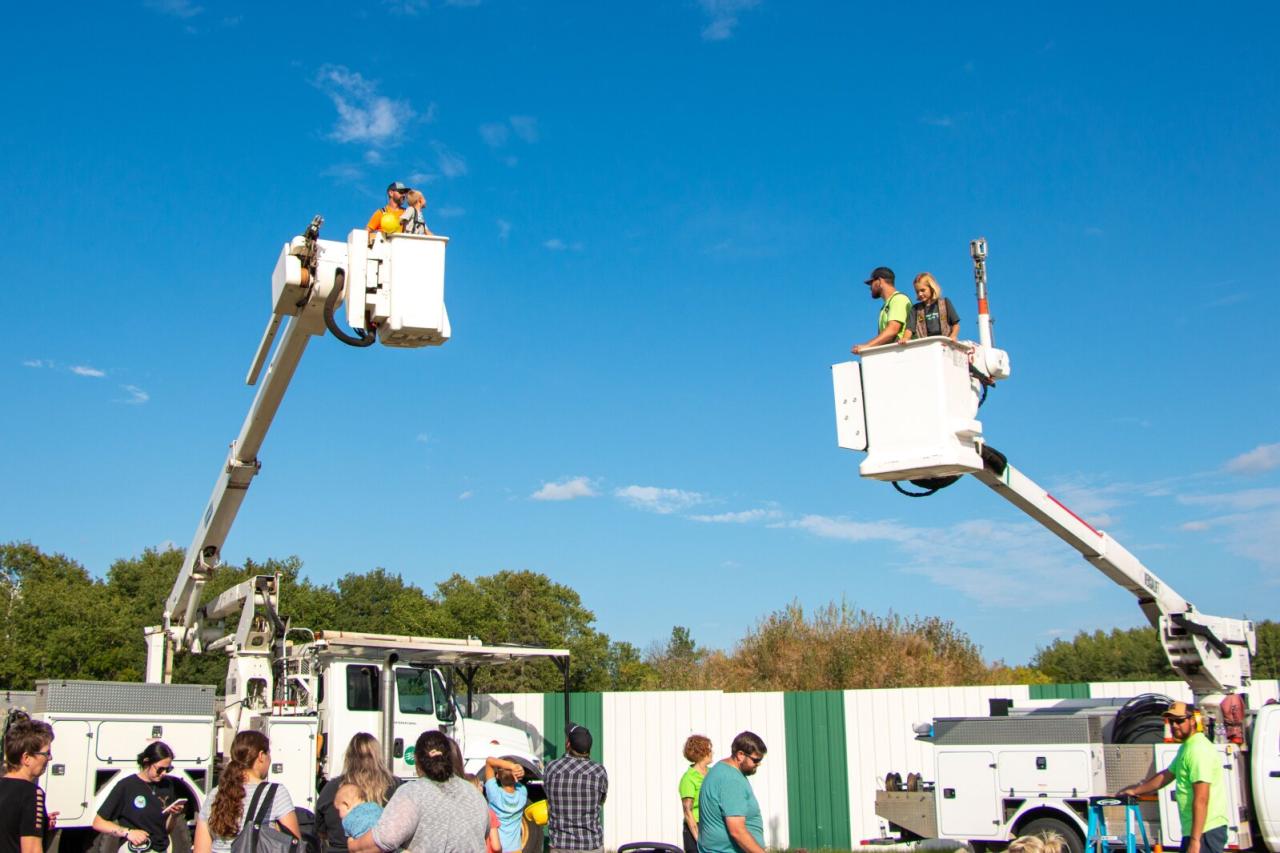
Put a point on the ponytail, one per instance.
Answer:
(226, 813)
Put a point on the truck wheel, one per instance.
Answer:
(1074, 843)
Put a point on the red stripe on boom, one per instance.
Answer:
(1072, 514)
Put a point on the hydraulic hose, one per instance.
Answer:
(361, 338)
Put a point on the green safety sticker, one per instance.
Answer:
(408, 756)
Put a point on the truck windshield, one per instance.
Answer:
(414, 689)
(444, 702)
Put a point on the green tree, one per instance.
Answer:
(48, 601)
(1132, 654)
(678, 663)
(527, 607)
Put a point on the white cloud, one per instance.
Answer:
(723, 16)
(565, 490)
(1264, 457)
(373, 157)
(418, 179)
(450, 212)
(851, 531)
(466, 496)
(36, 362)
(494, 134)
(1243, 500)
(85, 370)
(938, 121)
(364, 116)
(174, 8)
(345, 173)
(136, 395)
(504, 229)
(526, 127)
(744, 517)
(657, 499)
(555, 244)
(415, 7)
(423, 438)
(451, 164)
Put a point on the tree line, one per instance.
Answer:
(58, 621)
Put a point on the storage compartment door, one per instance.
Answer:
(1051, 772)
(66, 780)
(293, 758)
(968, 803)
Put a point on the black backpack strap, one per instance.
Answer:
(250, 811)
(264, 811)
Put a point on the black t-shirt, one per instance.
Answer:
(932, 325)
(21, 813)
(135, 803)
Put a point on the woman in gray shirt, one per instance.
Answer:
(439, 812)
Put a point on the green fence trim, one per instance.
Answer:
(1077, 690)
(817, 770)
(585, 709)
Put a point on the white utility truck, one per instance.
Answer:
(913, 409)
(308, 690)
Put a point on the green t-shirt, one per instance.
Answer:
(896, 307)
(726, 793)
(690, 784)
(1198, 761)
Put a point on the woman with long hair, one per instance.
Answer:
(933, 315)
(364, 767)
(697, 751)
(139, 807)
(439, 812)
(223, 814)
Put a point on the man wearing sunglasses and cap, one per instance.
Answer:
(1200, 790)
(396, 192)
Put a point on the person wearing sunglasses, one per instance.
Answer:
(139, 808)
(729, 819)
(1200, 791)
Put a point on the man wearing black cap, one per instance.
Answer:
(893, 314)
(395, 206)
(576, 787)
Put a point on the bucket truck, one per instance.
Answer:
(308, 690)
(912, 408)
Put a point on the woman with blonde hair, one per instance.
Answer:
(697, 751)
(933, 315)
(363, 768)
(223, 814)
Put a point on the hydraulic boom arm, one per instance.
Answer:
(394, 291)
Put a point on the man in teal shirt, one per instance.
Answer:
(729, 819)
(1200, 789)
(893, 314)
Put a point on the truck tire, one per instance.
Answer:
(1071, 835)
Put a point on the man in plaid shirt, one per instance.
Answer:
(576, 787)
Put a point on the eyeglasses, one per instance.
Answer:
(162, 768)
(1177, 719)
(47, 753)
(755, 759)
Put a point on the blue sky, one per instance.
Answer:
(661, 216)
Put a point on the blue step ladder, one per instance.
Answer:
(1098, 839)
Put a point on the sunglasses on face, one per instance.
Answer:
(163, 768)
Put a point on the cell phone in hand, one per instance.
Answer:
(177, 805)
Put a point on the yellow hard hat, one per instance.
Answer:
(390, 223)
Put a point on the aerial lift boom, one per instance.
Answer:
(394, 293)
(913, 408)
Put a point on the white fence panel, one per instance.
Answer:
(879, 738)
(643, 741)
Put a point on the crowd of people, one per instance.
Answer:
(367, 810)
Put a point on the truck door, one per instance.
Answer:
(968, 806)
(1265, 773)
(421, 703)
(67, 777)
(353, 704)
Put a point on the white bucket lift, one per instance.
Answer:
(411, 313)
(912, 407)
